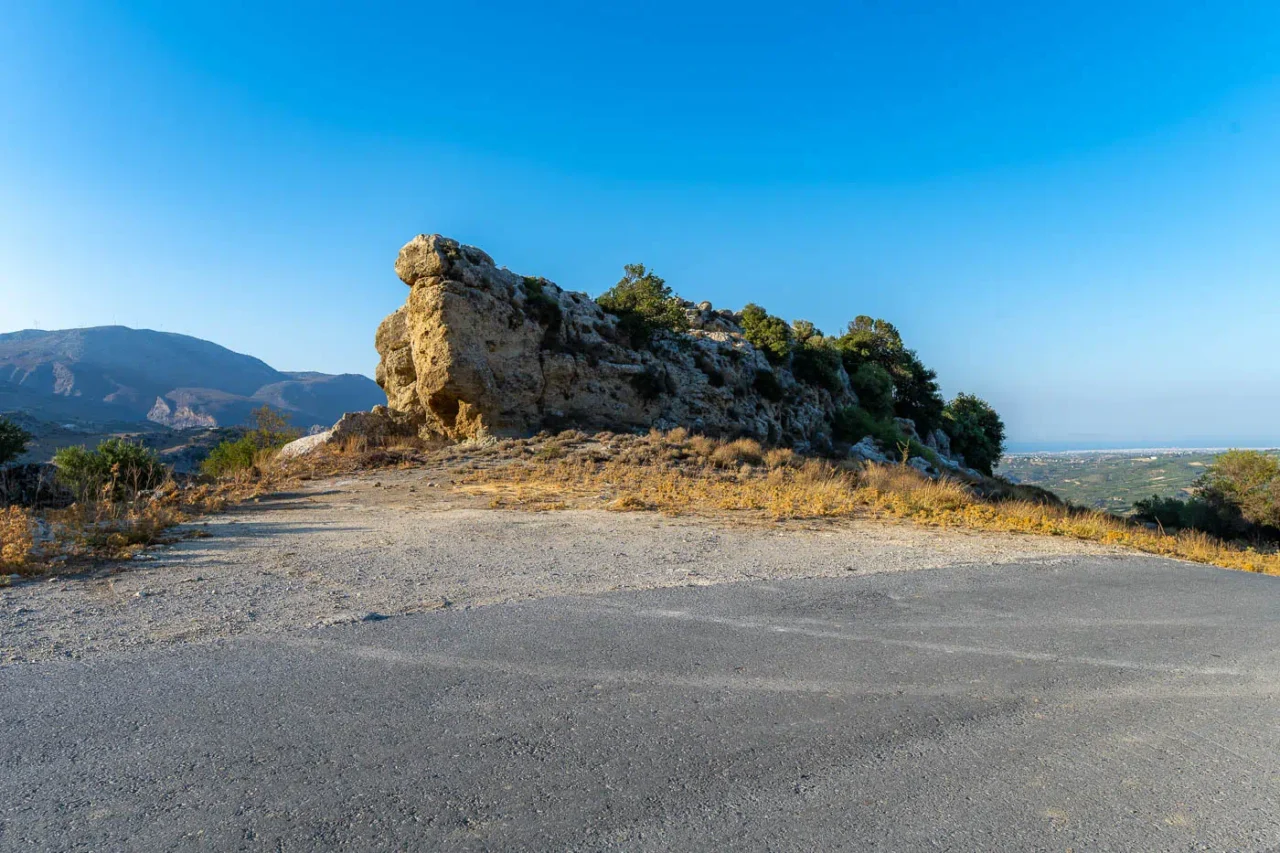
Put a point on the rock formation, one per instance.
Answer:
(479, 349)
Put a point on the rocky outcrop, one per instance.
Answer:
(478, 349)
(183, 417)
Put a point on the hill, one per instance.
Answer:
(110, 374)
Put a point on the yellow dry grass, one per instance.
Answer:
(694, 475)
(37, 541)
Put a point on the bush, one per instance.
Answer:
(804, 331)
(816, 361)
(1192, 514)
(643, 304)
(270, 432)
(17, 536)
(916, 393)
(1166, 512)
(117, 470)
(742, 451)
(767, 333)
(854, 423)
(13, 440)
(1237, 497)
(230, 457)
(874, 387)
(1246, 481)
(271, 429)
(976, 432)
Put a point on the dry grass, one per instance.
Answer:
(694, 475)
(17, 538)
(672, 472)
(34, 542)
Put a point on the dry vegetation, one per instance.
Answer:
(679, 473)
(34, 542)
(673, 472)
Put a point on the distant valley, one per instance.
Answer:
(1112, 479)
(110, 374)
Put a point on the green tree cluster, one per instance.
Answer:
(976, 431)
(915, 387)
(767, 333)
(889, 379)
(643, 304)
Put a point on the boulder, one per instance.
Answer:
(868, 451)
(374, 427)
(922, 465)
(908, 428)
(940, 442)
(304, 445)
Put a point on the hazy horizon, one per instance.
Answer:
(1070, 213)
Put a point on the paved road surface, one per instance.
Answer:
(1092, 704)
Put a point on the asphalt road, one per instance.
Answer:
(1088, 704)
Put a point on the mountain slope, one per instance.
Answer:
(114, 373)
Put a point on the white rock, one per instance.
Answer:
(868, 451)
(305, 445)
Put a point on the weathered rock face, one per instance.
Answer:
(477, 348)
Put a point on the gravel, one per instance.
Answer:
(365, 548)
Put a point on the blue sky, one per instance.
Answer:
(1071, 211)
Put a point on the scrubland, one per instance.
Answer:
(674, 473)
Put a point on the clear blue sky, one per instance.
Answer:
(1072, 210)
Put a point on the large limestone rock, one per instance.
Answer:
(479, 349)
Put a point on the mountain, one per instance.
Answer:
(114, 373)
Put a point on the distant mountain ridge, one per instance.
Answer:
(115, 373)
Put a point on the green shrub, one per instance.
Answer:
(854, 423)
(230, 457)
(117, 470)
(643, 304)
(767, 333)
(976, 431)
(767, 385)
(916, 394)
(13, 440)
(1246, 481)
(874, 387)
(816, 361)
(1192, 514)
(270, 431)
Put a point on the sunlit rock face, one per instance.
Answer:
(477, 349)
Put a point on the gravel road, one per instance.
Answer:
(397, 542)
